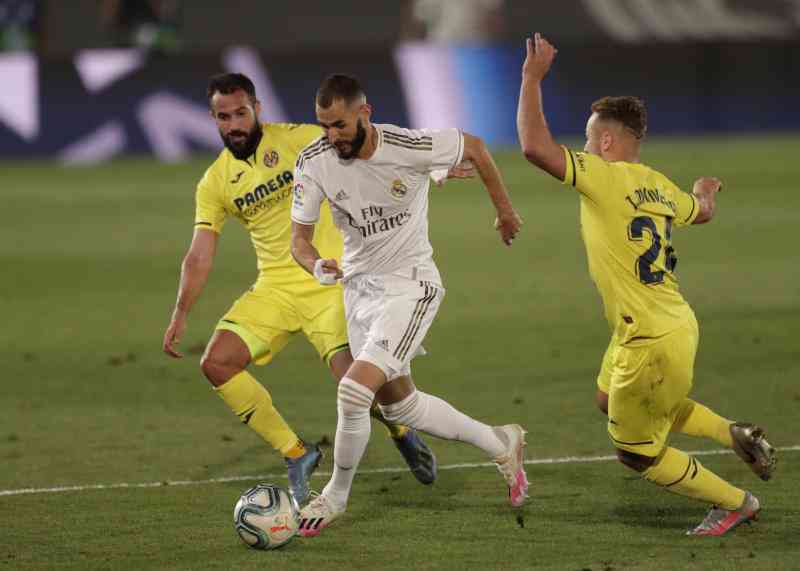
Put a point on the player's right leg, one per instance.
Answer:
(233, 346)
(432, 415)
(355, 395)
(648, 383)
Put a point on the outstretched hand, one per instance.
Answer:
(540, 56)
(508, 223)
(173, 335)
(706, 185)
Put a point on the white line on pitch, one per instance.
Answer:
(390, 470)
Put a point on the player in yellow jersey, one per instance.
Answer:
(628, 212)
(251, 181)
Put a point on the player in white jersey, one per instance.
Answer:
(376, 179)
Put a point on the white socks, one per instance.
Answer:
(419, 410)
(352, 434)
(434, 416)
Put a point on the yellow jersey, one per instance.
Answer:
(258, 192)
(628, 211)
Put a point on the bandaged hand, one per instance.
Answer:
(327, 271)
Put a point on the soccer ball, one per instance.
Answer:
(266, 517)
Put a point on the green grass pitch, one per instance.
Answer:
(90, 260)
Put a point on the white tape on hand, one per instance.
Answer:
(323, 277)
(439, 175)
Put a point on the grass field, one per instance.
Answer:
(90, 260)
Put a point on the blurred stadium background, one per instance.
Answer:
(104, 131)
(111, 77)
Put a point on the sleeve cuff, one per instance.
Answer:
(695, 210)
(569, 172)
(304, 222)
(460, 153)
(207, 226)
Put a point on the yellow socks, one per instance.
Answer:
(396, 431)
(251, 402)
(695, 419)
(682, 474)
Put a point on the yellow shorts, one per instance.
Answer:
(266, 317)
(604, 377)
(648, 381)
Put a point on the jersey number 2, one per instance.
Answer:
(645, 262)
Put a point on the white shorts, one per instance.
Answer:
(388, 316)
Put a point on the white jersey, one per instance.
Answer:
(379, 204)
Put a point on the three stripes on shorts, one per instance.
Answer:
(417, 317)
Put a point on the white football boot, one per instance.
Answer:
(317, 515)
(512, 463)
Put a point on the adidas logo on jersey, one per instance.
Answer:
(341, 195)
(383, 344)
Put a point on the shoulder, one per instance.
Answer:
(662, 178)
(293, 136)
(313, 153)
(412, 139)
(291, 130)
(588, 163)
(215, 173)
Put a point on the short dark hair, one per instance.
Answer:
(338, 86)
(626, 109)
(227, 83)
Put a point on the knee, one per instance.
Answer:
(354, 400)
(601, 398)
(217, 369)
(635, 461)
(405, 411)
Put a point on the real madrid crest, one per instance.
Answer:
(398, 189)
(271, 158)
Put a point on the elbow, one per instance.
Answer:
(533, 156)
(475, 148)
(706, 214)
(704, 217)
(530, 154)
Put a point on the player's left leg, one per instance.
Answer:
(694, 419)
(747, 440)
(648, 384)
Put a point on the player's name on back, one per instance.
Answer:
(642, 195)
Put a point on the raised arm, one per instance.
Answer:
(194, 273)
(508, 222)
(705, 191)
(535, 138)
